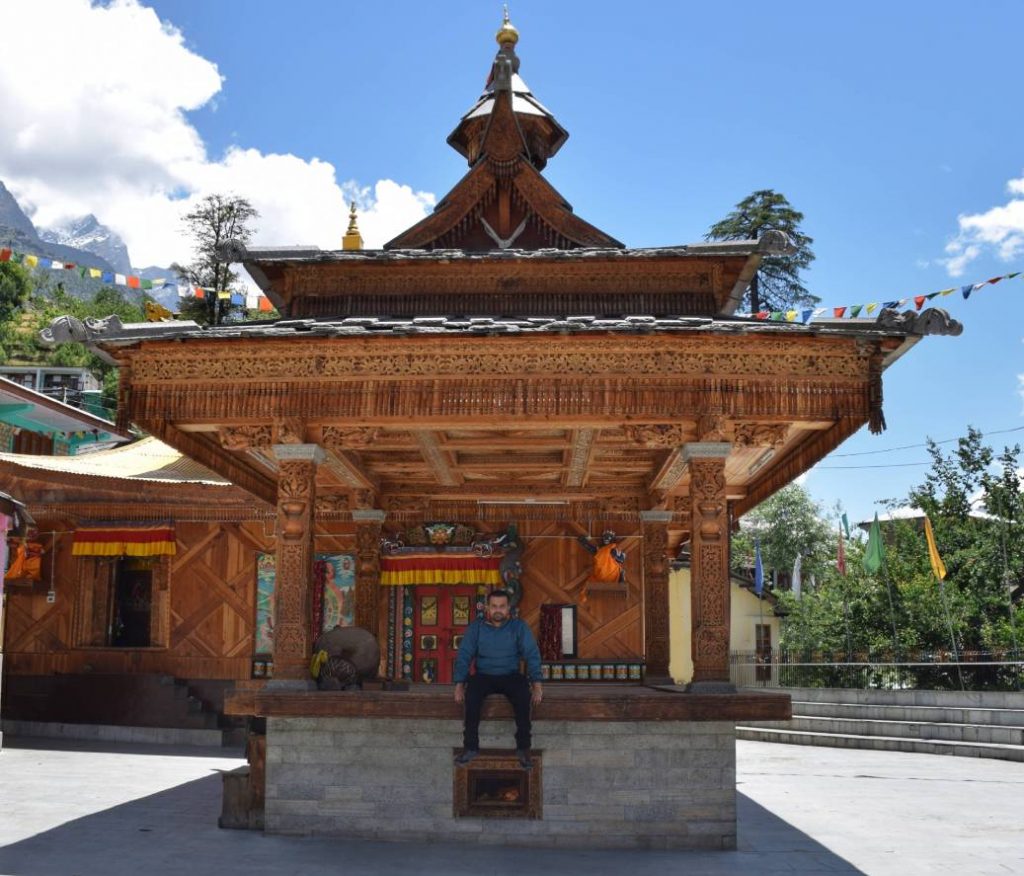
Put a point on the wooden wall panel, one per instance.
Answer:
(210, 611)
(556, 569)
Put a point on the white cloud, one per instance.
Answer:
(1000, 229)
(99, 125)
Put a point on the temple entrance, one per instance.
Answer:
(440, 617)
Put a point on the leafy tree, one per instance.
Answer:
(15, 287)
(21, 335)
(777, 284)
(787, 524)
(217, 219)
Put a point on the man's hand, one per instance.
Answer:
(460, 693)
(537, 693)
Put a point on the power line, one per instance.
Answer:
(893, 465)
(923, 444)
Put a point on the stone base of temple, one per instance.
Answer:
(622, 768)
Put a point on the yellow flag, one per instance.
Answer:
(223, 295)
(938, 567)
(95, 273)
(31, 260)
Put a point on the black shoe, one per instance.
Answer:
(467, 755)
(524, 758)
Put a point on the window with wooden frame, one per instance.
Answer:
(122, 602)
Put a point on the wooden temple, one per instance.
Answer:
(504, 380)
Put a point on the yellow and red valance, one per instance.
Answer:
(124, 541)
(402, 571)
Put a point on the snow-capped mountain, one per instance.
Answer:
(89, 234)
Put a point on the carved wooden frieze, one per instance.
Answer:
(332, 504)
(656, 355)
(711, 427)
(290, 430)
(760, 434)
(656, 434)
(241, 438)
(580, 456)
(355, 437)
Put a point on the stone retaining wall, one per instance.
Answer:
(607, 784)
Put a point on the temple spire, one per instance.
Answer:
(352, 239)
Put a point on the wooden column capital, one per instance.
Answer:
(709, 568)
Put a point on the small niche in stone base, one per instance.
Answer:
(494, 785)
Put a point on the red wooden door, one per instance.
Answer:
(440, 617)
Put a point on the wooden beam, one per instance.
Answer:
(670, 473)
(437, 460)
(580, 455)
(207, 453)
(349, 470)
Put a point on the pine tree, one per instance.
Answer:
(777, 284)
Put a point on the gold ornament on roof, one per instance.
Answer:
(507, 35)
(352, 239)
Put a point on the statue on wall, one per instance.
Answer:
(609, 562)
(511, 566)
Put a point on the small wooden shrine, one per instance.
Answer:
(501, 382)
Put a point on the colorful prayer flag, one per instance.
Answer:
(120, 279)
(874, 553)
(5, 255)
(133, 282)
(846, 524)
(841, 554)
(147, 284)
(938, 567)
(967, 290)
(31, 260)
(237, 299)
(838, 312)
(264, 304)
(224, 295)
(919, 301)
(95, 273)
(108, 277)
(796, 582)
(855, 310)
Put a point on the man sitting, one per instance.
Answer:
(498, 643)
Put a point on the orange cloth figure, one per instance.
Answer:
(609, 561)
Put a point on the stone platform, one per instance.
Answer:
(624, 767)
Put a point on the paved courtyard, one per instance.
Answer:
(83, 809)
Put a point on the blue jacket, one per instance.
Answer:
(498, 650)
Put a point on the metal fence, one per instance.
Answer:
(930, 670)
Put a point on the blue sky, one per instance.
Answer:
(883, 122)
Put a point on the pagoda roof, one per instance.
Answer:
(503, 201)
(697, 279)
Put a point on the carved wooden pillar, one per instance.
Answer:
(296, 495)
(368, 524)
(709, 566)
(656, 616)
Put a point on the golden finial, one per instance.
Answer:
(508, 35)
(352, 239)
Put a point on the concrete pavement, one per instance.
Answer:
(82, 809)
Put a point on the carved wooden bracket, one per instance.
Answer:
(354, 437)
(241, 438)
(760, 434)
(657, 434)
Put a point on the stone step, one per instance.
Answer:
(882, 743)
(902, 729)
(884, 712)
(944, 698)
(109, 733)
